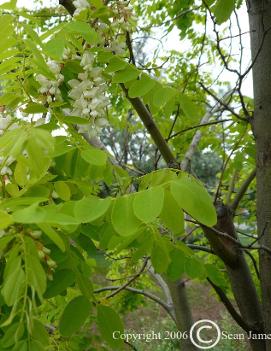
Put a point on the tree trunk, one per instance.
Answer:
(260, 22)
(182, 311)
(243, 287)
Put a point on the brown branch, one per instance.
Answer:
(221, 102)
(147, 294)
(69, 6)
(198, 126)
(124, 286)
(254, 263)
(242, 190)
(230, 308)
(130, 48)
(152, 128)
(200, 248)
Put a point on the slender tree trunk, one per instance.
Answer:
(260, 26)
(183, 315)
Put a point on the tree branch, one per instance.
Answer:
(152, 128)
(229, 306)
(149, 295)
(132, 279)
(69, 6)
(242, 190)
(198, 126)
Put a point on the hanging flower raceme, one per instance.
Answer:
(88, 93)
(50, 88)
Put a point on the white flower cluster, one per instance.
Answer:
(121, 21)
(80, 5)
(6, 122)
(88, 93)
(4, 165)
(50, 88)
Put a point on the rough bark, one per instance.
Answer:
(260, 22)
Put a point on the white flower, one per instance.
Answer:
(54, 67)
(66, 53)
(40, 122)
(6, 170)
(87, 59)
(83, 76)
(118, 48)
(41, 79)
(96, 72)
(80, 5)
(50, 87)
(73, 83)
(4, 122)
(101, 122)
(88, 93)
(49, 99)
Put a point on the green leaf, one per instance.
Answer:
(55, 215)
(74, 120)
(5, 219)
(61, 281)
(91, 208)
(4, 240)
(172, 216)
(195, 269)
(30, 214)
(160, 256)
(20, 173)
(35, 108)
(162, 95)
(148, 204)
(109, 322)
(53, 235)
(176, 267)
(9, 5)
(83, 28)
(141, 87)
(162, 176)
(94, 156)
(223, 10)
(12, 142)
(8, 338)
(192, 197)
(123, 219)
(22, 345)
(40, 333)
(35, 345)
(189, 108)
(74, 316)
(115, 64)
(55, 47)
(14, 281)
(216, 275)
(34, 270)
(126, 75)
(63, 190)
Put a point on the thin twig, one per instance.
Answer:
(130, 281)
(229, 306)
(147, 294)
(242, 190)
